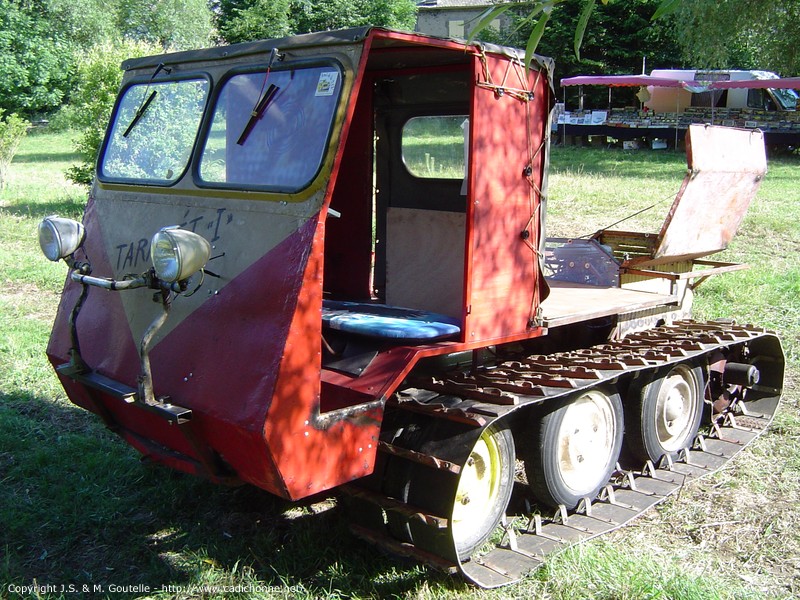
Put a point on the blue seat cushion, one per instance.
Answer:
(388, 322)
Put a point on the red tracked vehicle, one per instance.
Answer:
(322, 266)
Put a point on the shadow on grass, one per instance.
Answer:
(79, 508)
(46, 157)
(63, 207)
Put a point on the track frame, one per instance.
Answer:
(450, 412)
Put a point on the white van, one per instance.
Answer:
(663, 99)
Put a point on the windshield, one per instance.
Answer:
(270, 129)
(786, 97)
(154, 131)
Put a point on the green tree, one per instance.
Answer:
(83, 22)
(621, 38)
(310, 15)
(98, 80)
(35, 59)
(177, 24)
(12, 129)
(757, 34)
(711, 33)
(42, 40)
(243, 20)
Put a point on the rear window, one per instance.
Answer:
(435, 147)
(270, 130)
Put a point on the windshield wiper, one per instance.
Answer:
(140, 113)
(258, 112)
(145, 103)
(263, 101)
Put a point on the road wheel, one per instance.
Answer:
(484, 489)
(472, 498)
(577, 444)
(664, 414)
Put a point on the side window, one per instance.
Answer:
(755, 98)
(436, 147)
(455, 28)
(710, 99)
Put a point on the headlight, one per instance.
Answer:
(177, 254)
(60, 237)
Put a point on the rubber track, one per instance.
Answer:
(496, 392)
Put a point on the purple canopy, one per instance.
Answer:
(791, 83)
(694, 86)
(625, 80)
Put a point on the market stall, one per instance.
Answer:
(770, 112)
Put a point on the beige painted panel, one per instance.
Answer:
(425, 260)
(726, 167)
(240, 233)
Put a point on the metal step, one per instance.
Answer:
(165, 409)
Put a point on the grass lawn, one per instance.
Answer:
(80, 513)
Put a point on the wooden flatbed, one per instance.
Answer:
(575, 302)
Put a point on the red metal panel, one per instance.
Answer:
(348, 239)
(242, 331)
(101, 321)
(507, 136)
(221, 361)
(314, 453)
(386, 36)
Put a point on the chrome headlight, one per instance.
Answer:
(60, 237)
(178, 254)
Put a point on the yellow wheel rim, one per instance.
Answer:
(478, 487)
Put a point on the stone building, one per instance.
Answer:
(453, 18)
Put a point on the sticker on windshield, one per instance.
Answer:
(327, 83)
